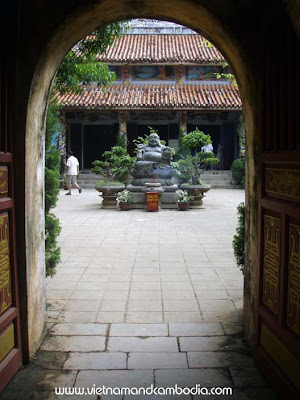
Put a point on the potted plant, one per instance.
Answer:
(191, 166)
(124, 198)
(114, 168)
(183, 200)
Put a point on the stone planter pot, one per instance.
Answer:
(183, 206)
(109, 194)
(197, 191)
(124, 206)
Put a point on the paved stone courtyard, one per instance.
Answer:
(140, 267)
(144, 298)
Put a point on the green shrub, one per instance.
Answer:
(238, 242)
(196, 138)
(238, 171)
(52, 175)
(115, 166)
(52, 251)
(121, 141)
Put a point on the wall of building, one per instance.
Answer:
(89, 134)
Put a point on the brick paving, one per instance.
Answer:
(144, 298)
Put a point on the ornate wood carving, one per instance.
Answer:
(5, 279)
(283, 183)
(7, 341)
(271, 260)
(3, 180)
(293, 301)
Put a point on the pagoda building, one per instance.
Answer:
(167, 77)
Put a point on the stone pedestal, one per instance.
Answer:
(109, 195)
(167, 199)
(109, 201)
(197, 191)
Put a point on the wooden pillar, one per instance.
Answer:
(182, 124)
(122, 134)
(180, 74)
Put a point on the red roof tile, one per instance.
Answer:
(155, 49)
(163, 96)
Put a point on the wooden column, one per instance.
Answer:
(182, 124)
(123, 128)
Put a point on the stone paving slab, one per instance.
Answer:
(74, 343)
(191, 377)
(129, 378)
(79, 329)
(160, 360)
(143, 344)
(245, 377)
(82, 361)
(209, 359)
(139, 330)
(203, 329)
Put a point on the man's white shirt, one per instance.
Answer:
(72, 163)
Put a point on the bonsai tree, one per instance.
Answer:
(115, 165)
(192, 166)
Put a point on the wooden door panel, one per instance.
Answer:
(278, 315)
(10, 334)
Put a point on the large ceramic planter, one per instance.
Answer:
(124, 206)
(198, 192)
(109, 194)
(183, 206)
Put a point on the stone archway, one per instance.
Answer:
(77, 25)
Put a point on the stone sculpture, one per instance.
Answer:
(153, 163)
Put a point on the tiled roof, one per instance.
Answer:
(162, 96)
(154, 49)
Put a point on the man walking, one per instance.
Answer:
(72, 172)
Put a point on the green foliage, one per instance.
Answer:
(225, 75)
(207, 43)
(52, 251)
(52, 163)
(72, 76)
(80, 66)
(191, 166)
(195, 139)
(52, 176)
(238, 242)
(183, 150)
(238, 171)
(121, 141)
(111, 183)
(187, 169)
(124, 197)
(115, 165)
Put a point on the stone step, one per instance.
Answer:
(217, 179)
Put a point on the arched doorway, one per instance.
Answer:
(272, 211)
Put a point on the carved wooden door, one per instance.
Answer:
(10, 338)
(278, 314)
